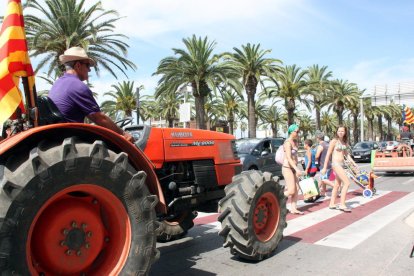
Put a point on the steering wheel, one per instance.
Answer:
(123, 122)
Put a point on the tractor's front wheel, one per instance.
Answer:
(253, 215)
(74, 208)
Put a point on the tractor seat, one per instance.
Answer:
(48, 112)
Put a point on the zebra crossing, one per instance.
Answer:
(334, 228)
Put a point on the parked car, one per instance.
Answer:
(259, 154)
(362, 150)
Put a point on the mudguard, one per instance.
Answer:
(88, 132)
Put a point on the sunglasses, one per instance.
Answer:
(86, 63)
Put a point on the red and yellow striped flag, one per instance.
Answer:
(408, 117)
(14, 60)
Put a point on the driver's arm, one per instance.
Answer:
(101, 119)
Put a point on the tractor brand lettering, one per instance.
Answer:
(192, 144)
(181, 134)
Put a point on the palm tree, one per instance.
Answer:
(196, 66)
(149, 108)
(123, 99)
(306, 124)
(249, 64)
(318, 81)
(169, 105)
(230, 106)
(273, 116)
(354, 108)
(291, 88)
(328, 124)
(341, 95)
(69, 23)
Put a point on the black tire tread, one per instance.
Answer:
(24, 180)
(236, 231)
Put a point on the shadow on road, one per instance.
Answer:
(180, 257)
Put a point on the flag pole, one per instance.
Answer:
(32, 112)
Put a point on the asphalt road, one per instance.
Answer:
(372, 240)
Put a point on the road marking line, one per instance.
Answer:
(313, 218)
(408, 181)
(357, 232)
(329, 226)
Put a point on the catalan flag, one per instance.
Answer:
(14, 60)
(408, 117)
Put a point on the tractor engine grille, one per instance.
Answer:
(205, 173)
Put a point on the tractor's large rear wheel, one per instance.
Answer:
(253, 215)
(74, 208)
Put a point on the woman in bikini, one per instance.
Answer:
(290, 169)
(338, 149)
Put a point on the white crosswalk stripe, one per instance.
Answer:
(352, 233)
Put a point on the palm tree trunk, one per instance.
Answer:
(290, 107)
(251, 110)
(380, 127)
(200, 112)
(355, 119)
(317, 113)
(274, 130)
(340, 119)
(389, 128)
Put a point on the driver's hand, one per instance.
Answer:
(129, 137)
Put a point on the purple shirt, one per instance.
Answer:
(73, 98)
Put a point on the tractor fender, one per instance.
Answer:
(87, 132)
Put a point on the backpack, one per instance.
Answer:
(280, 155)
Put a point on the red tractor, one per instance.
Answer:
(78, 199)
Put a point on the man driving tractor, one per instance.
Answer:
(72, 96)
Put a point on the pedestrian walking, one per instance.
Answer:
(339, 150)
(290, 169)
(320, 157)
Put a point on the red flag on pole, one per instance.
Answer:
(408, 117)
(14, 60)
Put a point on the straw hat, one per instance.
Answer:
(75, 53)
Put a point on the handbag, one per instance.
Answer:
(280, 155)
(309, 188)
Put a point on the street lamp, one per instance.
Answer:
(137, 103)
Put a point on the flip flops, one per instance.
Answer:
(333, 207)
(344, 209)
(297, 212)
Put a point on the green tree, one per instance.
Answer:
(196, 66)
(64, 24)
(273, 116)
(250, 64)
(291, 88)
(341, 95)
(317, 84)
(123, 99)
(230, 106)
(169, 105)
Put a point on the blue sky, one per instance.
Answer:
(366, 42)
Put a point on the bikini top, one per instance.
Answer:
(294, 151)
(339, 146)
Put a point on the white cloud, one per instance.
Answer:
(149, 19)
(381, 73)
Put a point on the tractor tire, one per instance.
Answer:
(75, 208)
(170, 230)
(253, 215)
